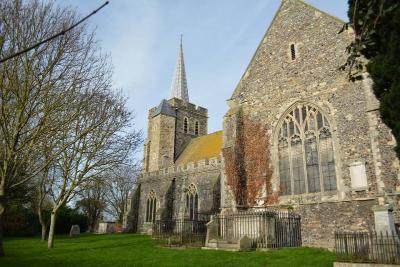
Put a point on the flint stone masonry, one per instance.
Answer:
(205, 178)
(319, 221)
(366, 167)
(273, 83)
(170, 185)
(166, 138)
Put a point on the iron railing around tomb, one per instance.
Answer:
(367, 247)
(180, 232)
(266, 229)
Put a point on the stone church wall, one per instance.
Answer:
(320, 220)
(274, 82)
(192, 113)
(161, 140)
(174, 181)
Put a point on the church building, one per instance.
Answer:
(328, 155)
(182, 162)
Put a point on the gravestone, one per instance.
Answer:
(75, 230)
(106, 228)
(212, 231)
(245, 243)
(384, 222)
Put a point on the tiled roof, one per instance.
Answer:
(165, 109)
(203, 147)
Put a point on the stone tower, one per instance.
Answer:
(173, 123)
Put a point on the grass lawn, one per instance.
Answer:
(140, 250)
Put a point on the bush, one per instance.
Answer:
(20, 221)
(23, 221)
(66, 217)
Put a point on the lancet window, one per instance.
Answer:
(196, 128)
(192, 202)
(151, 207)
(185, 125)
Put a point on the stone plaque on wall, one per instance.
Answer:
(358, 176)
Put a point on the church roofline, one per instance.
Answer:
(202, 147)
(164, 108)
(319, 10)
(267, 32)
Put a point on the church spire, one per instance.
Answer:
(179, 87)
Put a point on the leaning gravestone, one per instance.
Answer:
(245, 243)
(75, 230)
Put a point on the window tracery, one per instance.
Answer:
(151, 207)
(192, 202)
(305, 152)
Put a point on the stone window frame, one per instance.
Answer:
(196, 127)
(192, 202)
(185, 126)
(296, 46)
(151, 207)
(275, 152)
(293, 51)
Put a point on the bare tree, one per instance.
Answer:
(47, 92)
(38, 89)
(119, 183)
(105, 144)
(92, 201)
(42, 199)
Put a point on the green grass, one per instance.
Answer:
(140, 250)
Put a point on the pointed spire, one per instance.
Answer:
(179, 87)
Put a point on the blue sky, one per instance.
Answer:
(219, 39)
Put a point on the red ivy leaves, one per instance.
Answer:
(247, 164)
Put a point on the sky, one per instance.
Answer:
(219, 39)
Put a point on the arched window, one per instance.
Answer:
(293, 51)
(151, 207)
(185, 125)
(196, 128)
(305, 152)
(192, 202)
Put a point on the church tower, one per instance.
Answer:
(173, 123)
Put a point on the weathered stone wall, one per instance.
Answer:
(166, 138)
(161, 139)
(273, 83)
(192, 113)
(174, 181)
(319, 221)
(131, 213)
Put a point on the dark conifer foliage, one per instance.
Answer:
(377, 27)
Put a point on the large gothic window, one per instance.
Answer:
(151, 207)
(305, 152)
(192, 202)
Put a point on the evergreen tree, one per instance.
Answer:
(377, 28)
